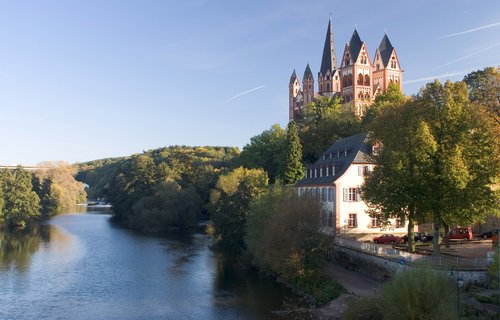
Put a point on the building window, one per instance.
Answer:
(328, 86)
(353, 220)
(364, 170)
(310, 173)
(315, 172)
(378, 66)
(352, 194)
(375, 223)
(327, 169)
(333, 170)
(367, 80)
(360, 79)
(321, 172)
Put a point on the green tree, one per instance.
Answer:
(446, 161)
(21, 204)
(484, 88)
(230, 202)
(265, 151)
(325, 121)
(465, 162)
(292, 169)
(169, 206)
(392, 96)
(395, 188)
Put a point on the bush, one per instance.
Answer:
(366, 308)
(419, 294)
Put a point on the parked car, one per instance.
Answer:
(489, 234)
(418, 237)
(460, 233)
(388, 238)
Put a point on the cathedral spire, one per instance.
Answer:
(385, 48)
(329, 60)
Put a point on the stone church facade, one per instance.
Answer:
(357, 80)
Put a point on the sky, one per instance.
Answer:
(86, 79)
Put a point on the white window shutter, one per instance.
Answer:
(360, 170)
(346, 194)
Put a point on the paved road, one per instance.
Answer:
(355, 282)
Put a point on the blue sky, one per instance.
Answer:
(83, 80)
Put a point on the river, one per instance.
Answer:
(81, 266)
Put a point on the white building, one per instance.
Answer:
(335, 179)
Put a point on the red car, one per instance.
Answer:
(388, 238)
(460, 233)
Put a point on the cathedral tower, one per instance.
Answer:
(308, 86)
(328, 75)
(356, 72)
(295, 97)
(386, 67)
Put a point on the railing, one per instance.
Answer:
(403, 257)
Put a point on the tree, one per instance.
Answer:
(169, 206)
(325, 121)
(484, 89)
(21, 204)
(392, 96)
(292, 169)
(265, 151)
(395, 187)
(230, 202)
(465, 161)
(446, 161)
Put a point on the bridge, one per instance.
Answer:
(28, 168)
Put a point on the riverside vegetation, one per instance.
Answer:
(27, 197)
(250, 212)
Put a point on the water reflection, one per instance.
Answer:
(84, 267)
(17, 246)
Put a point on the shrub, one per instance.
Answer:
(366, 308)
(417, 294)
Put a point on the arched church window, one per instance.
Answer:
(344, 81)
(367, 80)
(349, 80)
(328, 87)
(360, 79)
(320, 87)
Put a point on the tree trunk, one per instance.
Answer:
(446, 233)
(435, 240)
(411, 236)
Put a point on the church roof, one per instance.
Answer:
(293, 77)
(329, 60)
(385, 48)
(345, 152)
(355, 45)
(307, 72)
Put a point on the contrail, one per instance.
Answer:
(446, 75)
(245, 92)
(470, 30)
(470, 55)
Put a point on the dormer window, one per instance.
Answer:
(321, 172)
(345, 152)
(338, 153)
(327, 171)
(324, 156)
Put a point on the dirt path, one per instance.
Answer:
(357, 284)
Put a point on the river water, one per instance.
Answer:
(81, 266)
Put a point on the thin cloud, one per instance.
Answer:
(492, 25)
(470, 55)
(445, 75)
(245, 92)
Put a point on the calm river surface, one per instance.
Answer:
(80, 266)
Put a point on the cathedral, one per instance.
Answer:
(357, 80)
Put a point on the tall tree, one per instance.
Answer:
(446, 163)
(325, 121)
(21, 203)
(465, 161)
(484, 88)
(394, 188)
(392, 96)
(292, 168)
(230, 203)
(265, 151)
